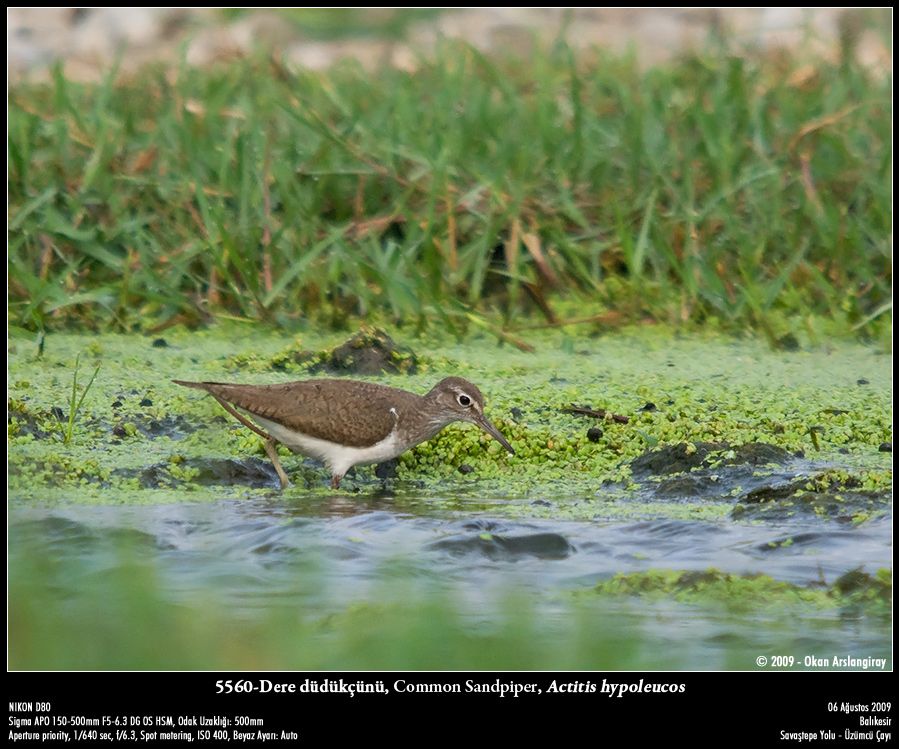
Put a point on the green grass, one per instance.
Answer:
(75, 401)
(717, 190)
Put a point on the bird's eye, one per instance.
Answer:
(464, 400)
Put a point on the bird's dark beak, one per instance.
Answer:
(484, 424)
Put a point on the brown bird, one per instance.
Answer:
(345, 423)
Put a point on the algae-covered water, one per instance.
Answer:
(743, 511)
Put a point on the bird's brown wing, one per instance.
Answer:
(357, 414)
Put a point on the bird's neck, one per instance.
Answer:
(426, 420)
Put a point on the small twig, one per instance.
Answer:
(510, 249)
(611, 318)
(820, 123)
(597, 413)
(212, 293)
(46, 256)
(362, 228)
(540, 300)
(501, 334)
(531, 240)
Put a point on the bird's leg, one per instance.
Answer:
(272, 453)
(269, 440)
(335, 481)
(237, 415)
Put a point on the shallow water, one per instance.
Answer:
(263, 540)
(252, 555)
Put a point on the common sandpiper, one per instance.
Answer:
(345, 423)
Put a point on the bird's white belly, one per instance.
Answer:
(339, 458)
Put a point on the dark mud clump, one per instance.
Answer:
(716, 471)
(250, 472)
(486, 539)
(21, 421)
(687, 457)
(861, 586)
(370, 352)
(841, 499)
(693, 485)
(718, 482)
(387, 469)
(173, 427)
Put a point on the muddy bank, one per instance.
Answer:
(728, 423)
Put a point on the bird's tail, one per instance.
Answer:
(196, 385)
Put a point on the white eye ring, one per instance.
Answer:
(464, 400)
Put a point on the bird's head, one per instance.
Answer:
(461, 400)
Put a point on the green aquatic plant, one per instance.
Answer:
(704, 394)
(75, 401)
(126, 211)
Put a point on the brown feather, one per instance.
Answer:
(326, 409)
